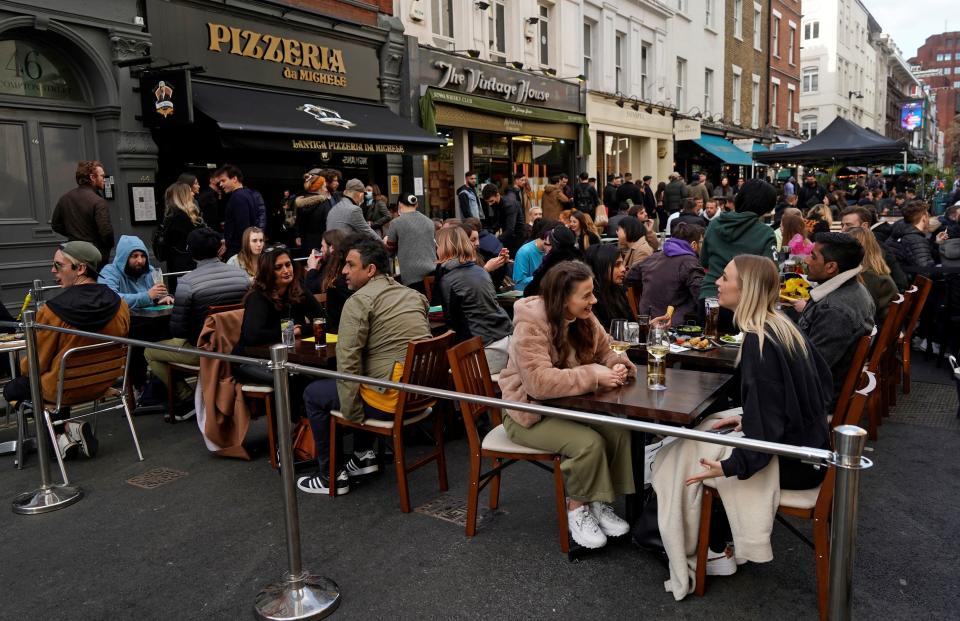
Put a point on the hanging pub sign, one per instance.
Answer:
(166, 98)
(261, 52)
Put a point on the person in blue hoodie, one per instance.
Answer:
(132, 277)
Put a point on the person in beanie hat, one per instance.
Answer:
(83, 305)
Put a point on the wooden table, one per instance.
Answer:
(303, 352)
(719, 359)
(688, 396)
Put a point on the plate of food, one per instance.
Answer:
(700, 343)
(730, 340)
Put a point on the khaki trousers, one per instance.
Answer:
(157, 361)
(597, 461)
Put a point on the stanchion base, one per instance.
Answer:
(306, 597)
(47, 499)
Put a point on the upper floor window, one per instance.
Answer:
(708, 12)
(544, 33)
(791, 41)
(587, 49)
(618, 56)
(775, 37)
(708, 92)
(811, 30)
(808, 126)
(811, 80)
(443, 18)
(738, 19)
(681, 84)
(645, 60)
(757, 26)
(498, 30)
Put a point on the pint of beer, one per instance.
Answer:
(712, 312)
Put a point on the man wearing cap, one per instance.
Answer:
(211, 283)
(347, 215)
(411, 234)
(82, 305)
(82, 214)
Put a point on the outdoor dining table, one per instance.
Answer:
(303, 352)
(688, 396)
(721, 359)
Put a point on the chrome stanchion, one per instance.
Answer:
(299, 594)
(848, 443)
(49, 497)
(37, 294)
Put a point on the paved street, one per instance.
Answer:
(201, 546)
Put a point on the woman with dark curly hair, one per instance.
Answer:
(608, 273)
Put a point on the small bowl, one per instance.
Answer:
(690, 330)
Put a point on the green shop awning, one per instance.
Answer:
(430, 99)
(724, 150)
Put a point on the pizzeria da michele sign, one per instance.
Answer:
(263, 53)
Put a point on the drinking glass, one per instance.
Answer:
(712, 308)
(157, 276)
(643, 322)
(658, 344)
(619, 332)
(319, 332)
(287, 335)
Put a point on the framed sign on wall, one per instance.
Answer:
(143, 203)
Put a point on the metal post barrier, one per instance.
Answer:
(37, 297)
(299, 594)
(48, 497)
(848, 443)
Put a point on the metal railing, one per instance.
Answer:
(314, 597)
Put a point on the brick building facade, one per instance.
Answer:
(941, 54)
(784, 85)
(746, 66)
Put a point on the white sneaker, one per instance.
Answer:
(69, 449)
(610, 523)
(720, 564)
(584, 528)
(82, 433)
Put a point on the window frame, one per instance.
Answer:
(619, 54)
(646, 50)
(774, 103)
(792, 39)
(707, 91)
(738, 19)
(493, 23)
(543, 32)
(736, 95)
(755, 101)
(811, 85)
(681, 90)
(757, 26)
(587, 49)
(775, 37)
(436, 18)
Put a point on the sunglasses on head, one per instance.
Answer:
(275, 248)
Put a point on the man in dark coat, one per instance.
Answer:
(82, 213)
(810, 193)
(585, 197)
(908, 238)
(629, 191)
(610, 194)
(512, 226)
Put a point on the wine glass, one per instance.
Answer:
(658, 345)
(620, 333)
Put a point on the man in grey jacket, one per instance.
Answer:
(840, 309)
(347, 215)
(211, 283)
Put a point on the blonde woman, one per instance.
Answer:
(249, 255)
(819, 220)
(785, 388)
(181, 218)
(875, 273)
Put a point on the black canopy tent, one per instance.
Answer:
(841, 142)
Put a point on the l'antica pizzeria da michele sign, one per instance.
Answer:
(463, 75)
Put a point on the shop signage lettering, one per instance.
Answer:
(306, 61)
(350, 147)
(473, 80)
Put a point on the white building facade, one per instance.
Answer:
(839, 70)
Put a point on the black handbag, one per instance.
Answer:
(645, 532)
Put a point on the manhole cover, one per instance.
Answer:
(156, 477)
(454, 509)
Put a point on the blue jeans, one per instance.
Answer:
(320, 398)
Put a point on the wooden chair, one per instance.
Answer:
(923, 286)
(428, 282)
(425, 365)
(103, 363)
(263, 394)
(885, 340)
(179, 369)
(472, 376)
(809, 504)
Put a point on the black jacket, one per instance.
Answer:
(649, 200)
(586, 199)
(312, 210)
(512, 226)
(808, 196)
(469, 302)
(610, 198)
(336, 296)
(674, 194)
(212, 283)
(629, 190)
(909, 246)
(261, 319)
(785, 399)
(176, 226)
(689, 218)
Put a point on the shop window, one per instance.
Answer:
(616, 154)
(29, 69)
(440, 179)
(443, 18)
(498, 31)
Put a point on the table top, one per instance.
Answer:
(719, 359)
(303, 352)
(687, 397)
(152, 312)
(13, 345)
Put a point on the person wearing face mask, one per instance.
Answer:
(347, 214)
(375, 208)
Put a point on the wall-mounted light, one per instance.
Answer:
(470, 53)
(483, 6)
(550, 72)
(533, 20)
(516, 64)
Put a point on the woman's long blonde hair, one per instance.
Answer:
(872, 255)
(757, 313)
(180, 196)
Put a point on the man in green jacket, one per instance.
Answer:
(737, 232)
(378, 321)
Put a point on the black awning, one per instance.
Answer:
(287, 122)
(840, 142)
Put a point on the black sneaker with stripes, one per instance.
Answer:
(320, 483)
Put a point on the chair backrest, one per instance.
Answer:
(857, 404)
(850, 381)
(425, 365)
(923, 286)
(888, 333)
(634, 300)
(88, 365)
(428, 286)
(223, 308)
(471, 375)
